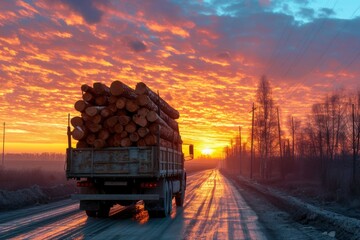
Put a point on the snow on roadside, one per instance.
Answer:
(305, 212)
(34, 195)
(21, 197)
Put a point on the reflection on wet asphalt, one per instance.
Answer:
(213, 209)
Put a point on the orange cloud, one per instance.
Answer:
(205, 65)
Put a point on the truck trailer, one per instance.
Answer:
(111, 171)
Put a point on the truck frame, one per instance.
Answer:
(125, 175)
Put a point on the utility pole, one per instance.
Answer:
(354, 150)
(293, 140)
(252, 142)
(240, 149)
(3, 148)
(281, 159)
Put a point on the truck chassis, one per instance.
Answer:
(124, 176)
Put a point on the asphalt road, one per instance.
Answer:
(213, 209)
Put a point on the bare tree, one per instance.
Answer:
(293, 126)
(266, 125)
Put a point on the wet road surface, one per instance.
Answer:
(213, 209)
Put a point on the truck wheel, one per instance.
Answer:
(164, 201)
(90, 213)
(103, 211)
(170, 197)
(180, 197)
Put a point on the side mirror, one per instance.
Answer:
(191, 151)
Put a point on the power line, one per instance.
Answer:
(298, 44)
(294, 88)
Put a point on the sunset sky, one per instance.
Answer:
(204, 57)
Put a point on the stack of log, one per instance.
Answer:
(119, 116)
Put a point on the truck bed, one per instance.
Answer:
(121, 162)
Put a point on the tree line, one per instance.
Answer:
(45, 156)
(321, 145)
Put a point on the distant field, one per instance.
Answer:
(200, 164)
(22, 174)
(55, 166)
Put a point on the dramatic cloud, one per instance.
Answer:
(87, 9)
(205, 58)
(135, 45)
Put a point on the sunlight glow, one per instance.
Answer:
(207, 151)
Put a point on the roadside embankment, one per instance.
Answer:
(341, 226)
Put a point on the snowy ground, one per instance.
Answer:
(34, 195)
(331, 218)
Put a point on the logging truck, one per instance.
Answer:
(137, 162)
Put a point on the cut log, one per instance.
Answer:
(96, 119)
(126, 142)
(81, 144)
(117, 116)
(171, 122)
(106, 112)
(79, 133)
(93, 127)
(99, 143)
(140, 120)
(77, 121)
(104, 134)
(141, 89)
(130, 127)
(132, 106)
(124, 120)
(112, 107)
(121, 103)
(153, 117)
(112, 121)
(88, 97)
(118, 128)
(134, 137)
(85, 117)
(143, 111)
(90, 139)
(93, 110)
(86, 88)
(112, 99)
(143, 131)
(81, 105)
(124, 134)
(101, 89)
(122, 113)
(141, 143)
(165, 132)
(101, 100)
(150, 140)
(145, 101)
(118, 88)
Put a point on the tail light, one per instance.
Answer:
(148, 185)
(84, 184)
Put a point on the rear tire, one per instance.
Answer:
(90, 213)
(103, 211)
(170, 197)
(180, 197)
(164, 201)
(159, 208)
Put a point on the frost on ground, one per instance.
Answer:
(33, 182)
(337, 225)
(34, 195)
